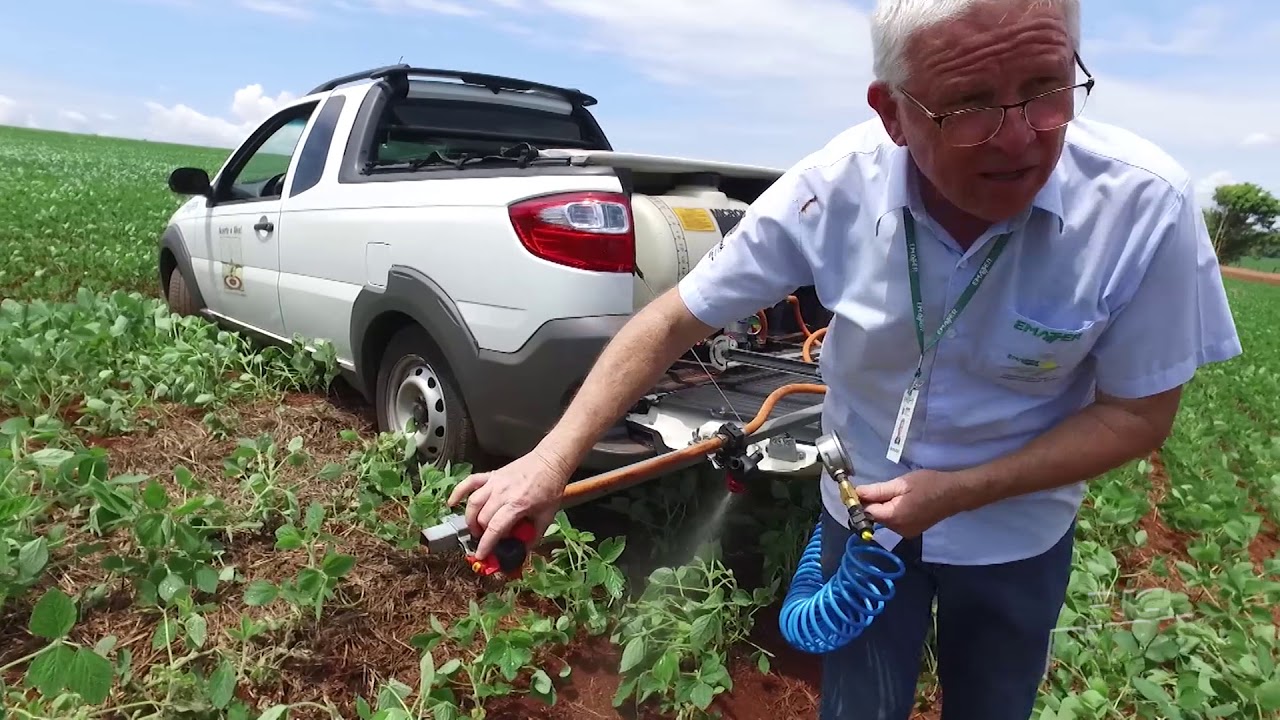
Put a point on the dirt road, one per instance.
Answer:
(1251, 275)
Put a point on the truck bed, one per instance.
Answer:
(746, 394)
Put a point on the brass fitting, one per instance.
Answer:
(837, 463)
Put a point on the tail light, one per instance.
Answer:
(584, 230)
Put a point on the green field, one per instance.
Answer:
(1263, 264)
(193, 526)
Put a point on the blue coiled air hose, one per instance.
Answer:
(819, 617)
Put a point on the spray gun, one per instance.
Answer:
(508, 556)
(839, 466)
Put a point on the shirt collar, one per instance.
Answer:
(897, 189)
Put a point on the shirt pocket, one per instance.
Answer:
(1033, 356)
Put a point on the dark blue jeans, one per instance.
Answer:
(993, 629)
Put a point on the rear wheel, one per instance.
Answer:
(414, 383)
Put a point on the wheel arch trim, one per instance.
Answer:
(173, 243)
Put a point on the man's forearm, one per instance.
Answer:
(630, 365)
(1097, 439)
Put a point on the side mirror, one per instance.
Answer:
(190, 181)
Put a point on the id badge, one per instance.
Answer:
(900, 426)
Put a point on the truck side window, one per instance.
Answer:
(260, 174)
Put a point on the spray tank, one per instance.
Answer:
(675, 230)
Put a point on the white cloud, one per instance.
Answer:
(250, 105)
(279, 8)
(74, 117)
(8, 110)
(1258, 138)
(1206, 185)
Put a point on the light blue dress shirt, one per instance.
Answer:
(1109, 281)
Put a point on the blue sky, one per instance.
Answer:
(761, 81)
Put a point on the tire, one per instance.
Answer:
(179, 298)
(414, 379)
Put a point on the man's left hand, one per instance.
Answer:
(912, 503)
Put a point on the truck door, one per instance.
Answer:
(242, 223)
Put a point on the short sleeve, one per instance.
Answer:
(1176, 320)
(759, 263)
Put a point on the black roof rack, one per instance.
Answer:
(493, 82)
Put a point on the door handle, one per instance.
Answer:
(264, 226)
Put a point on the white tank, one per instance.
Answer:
(674, 231)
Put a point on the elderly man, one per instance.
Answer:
(1019, 296)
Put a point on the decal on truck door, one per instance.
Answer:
(231, 257)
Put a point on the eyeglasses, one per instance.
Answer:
(1047, 111)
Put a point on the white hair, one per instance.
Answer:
(894, 22)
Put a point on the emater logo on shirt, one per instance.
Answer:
(1049, 336)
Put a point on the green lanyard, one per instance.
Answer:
(913, 270)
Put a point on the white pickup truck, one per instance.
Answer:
(469, 243)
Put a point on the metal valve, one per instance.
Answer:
(836, 460)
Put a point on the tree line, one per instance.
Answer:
(1243, 221)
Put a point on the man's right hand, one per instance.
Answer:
(530, 486)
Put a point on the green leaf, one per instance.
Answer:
(166, 632)
(541, 682)
(50, 671)
(426, 674)
(260, 592)
(155, 496)
(338, 565)
(1150, 690)
(704, 630)
(33, 556)
(197, 630)
(1268, 695)
(632, 654)
(222, 684)
(207, 579)
(331, 471)
(763, 663)
(315, 517)
(667, 666)
(53, 615)
(310, 580)
(90, 676)
(288, 538)
(615, 583)
(275, 712)
(1144, 631)
(150, 529)
(702, 695)
(611, 549)
(170, 586)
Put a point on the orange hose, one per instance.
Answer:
(795, 305)
(671, 459)
(810, 341)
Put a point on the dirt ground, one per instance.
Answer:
(390, 594)
(1251, 275)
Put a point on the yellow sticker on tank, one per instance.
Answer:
(695, 219)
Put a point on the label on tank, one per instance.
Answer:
(694, 219)
(727, 218)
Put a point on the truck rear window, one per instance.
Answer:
(414, 128)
